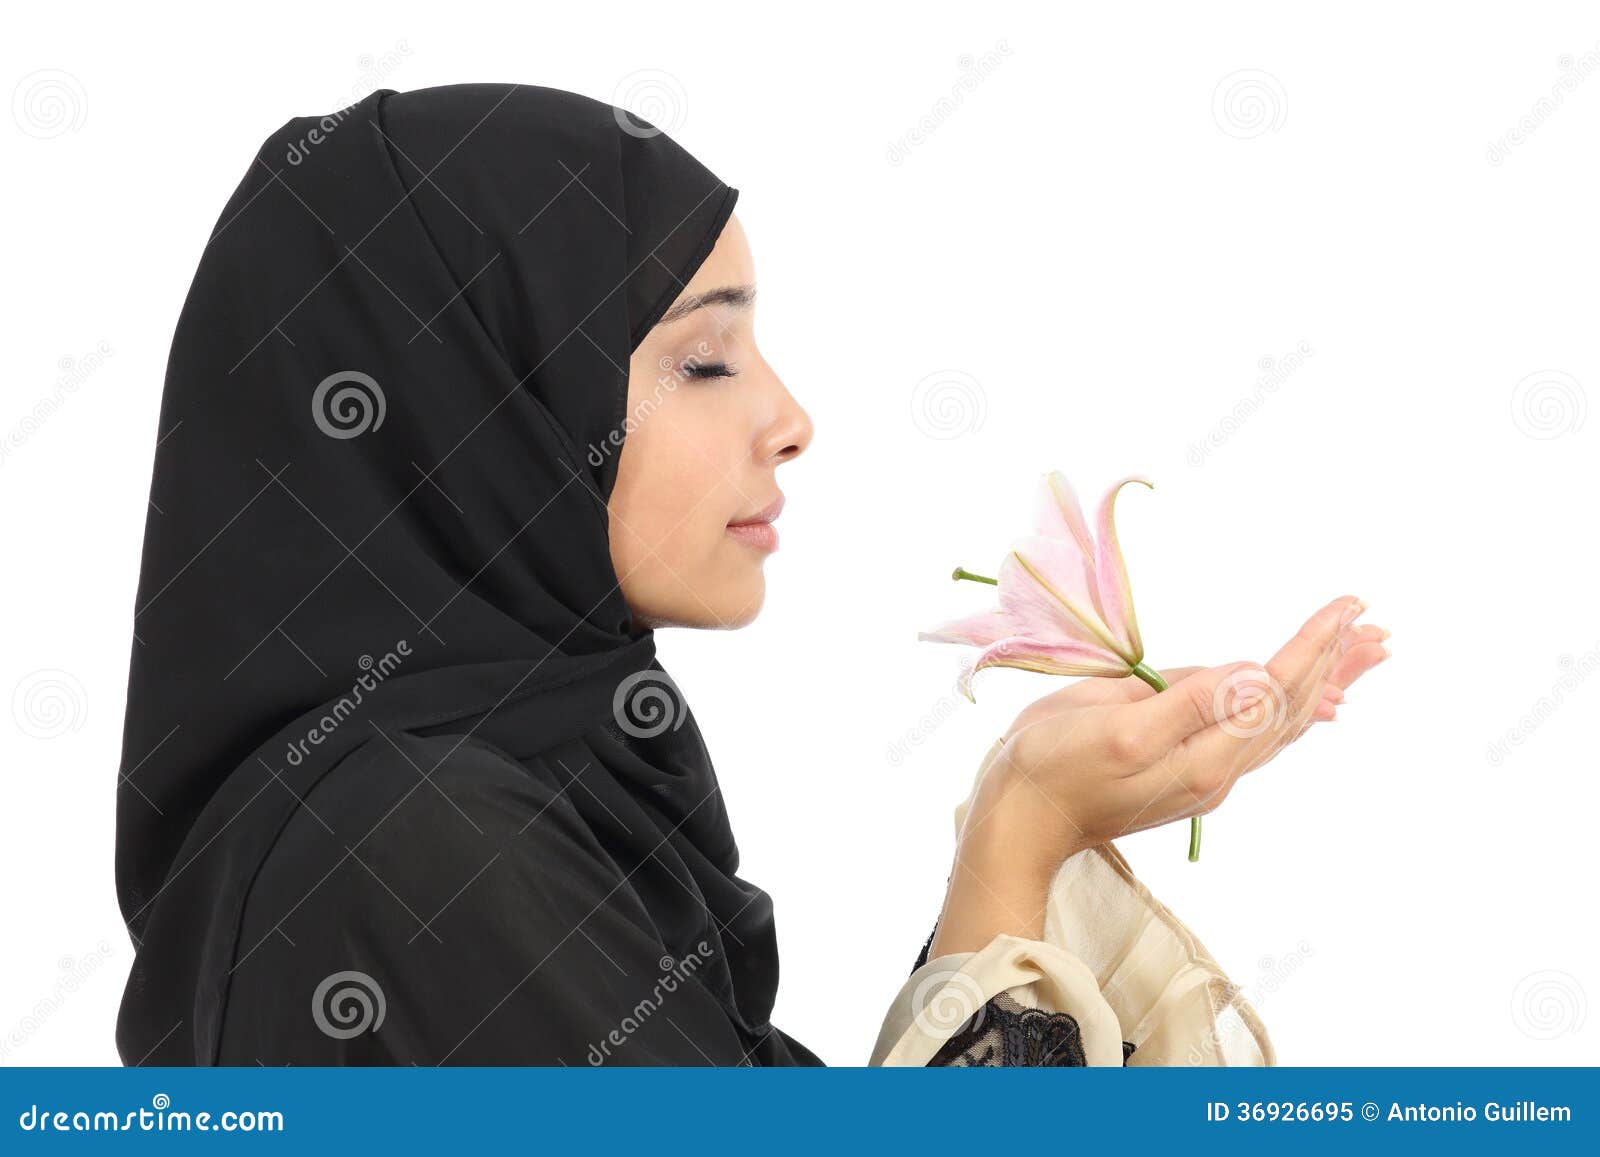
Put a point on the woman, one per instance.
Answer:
(463, 404)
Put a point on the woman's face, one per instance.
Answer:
(708, 424)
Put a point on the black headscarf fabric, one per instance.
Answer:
(400, 782)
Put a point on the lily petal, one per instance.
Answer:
(1111, 575)
(977, 630)
(1059, 514)
(1025, 654)
(1045, 591)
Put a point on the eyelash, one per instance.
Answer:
(707, 370)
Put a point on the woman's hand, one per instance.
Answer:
(1105, 757)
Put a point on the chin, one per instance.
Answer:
(741, 607)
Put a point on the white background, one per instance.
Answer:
(1095, 251)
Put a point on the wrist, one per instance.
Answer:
(1016, 819)
(1006, 857)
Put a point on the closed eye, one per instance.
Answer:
(705, 370)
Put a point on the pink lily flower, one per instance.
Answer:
(1066, 607)
(1065, 604)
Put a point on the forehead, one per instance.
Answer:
(729, 263)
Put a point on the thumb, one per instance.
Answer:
(1210, 694)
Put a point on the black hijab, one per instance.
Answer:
(400, 782)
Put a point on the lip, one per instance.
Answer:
(757, 530)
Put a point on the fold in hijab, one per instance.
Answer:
(400, 781)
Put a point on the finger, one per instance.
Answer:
(1210, 761)
(1321, 630)
(1143, 731)
(1362, 649)
(1348, 667)
(1303, 666)
(1359, 657)
(1134, 688)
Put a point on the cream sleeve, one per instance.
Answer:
(1117, 979)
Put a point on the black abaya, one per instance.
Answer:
(391, 788)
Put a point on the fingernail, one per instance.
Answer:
(1352, 612)
(1334, 695)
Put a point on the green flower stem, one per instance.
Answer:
(1152, 677)
(959, 573)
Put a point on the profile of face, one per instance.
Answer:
(708, 424)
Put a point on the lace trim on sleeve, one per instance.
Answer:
(1004, 1032)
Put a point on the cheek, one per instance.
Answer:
(674, 504)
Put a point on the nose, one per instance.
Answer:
(791, 430)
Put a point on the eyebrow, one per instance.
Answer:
(737, 296)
